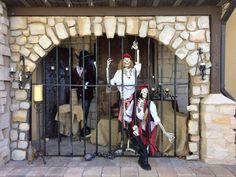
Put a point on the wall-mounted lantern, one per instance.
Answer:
(24, 75)
(201, 65)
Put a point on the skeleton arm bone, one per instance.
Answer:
(135, 47)
(109, 60)
(157, 121)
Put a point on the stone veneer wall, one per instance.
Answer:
(217, 135)
(34, 37)
(5, 54)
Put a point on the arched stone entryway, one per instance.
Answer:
(34, 37)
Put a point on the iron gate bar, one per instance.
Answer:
(109, 104)
(85, 121)
(70, 90)
(175, 89)
(149, 112)
(44, 109)
(58, 95)
(122, 89)
(162, 62)
(97, 59)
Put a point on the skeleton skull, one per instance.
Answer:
(126, 62)
(144, 92)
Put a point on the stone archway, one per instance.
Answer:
(34, 37)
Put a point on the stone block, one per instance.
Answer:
(143, 29)
(18, 155)
(121, 19)
(198, 36)
(195, 115)
(132, 25)
(192, 58)
(192, 108)
(97, 20)
(14, 135)
(193, 127)
(18, 23)
(34, 57)
(121, 29)
(190, 45)
(73, 31)
(45, 42)
(14, 106)
(97, 29)
(110, 26)
(205, 47)
(184, 35)
(179, 26)
(4, 76)
(166, 34)
(24, 51)
(2, 109)
(5, 120)
(195, 138)
(19, 116)
(84, 27)
(152, 33)
(22, 136)
(181, 53)
(192, 157)
(24, 105)
(61, 31)
(37, 28)
(152, 24)
(37, 20)
(5, 50)
(193, 147)
(38, 49)
(33, 39)
(3, 94)
(165, 19)
(208, 36)
(181, 19)
(21, 40)
(3, 29)
(177, 42)
(52, 36)
(203, 22)
(24, 126)
(51, 22)
(20, 95)
(22, 144)
(15, 48)
(191, 24)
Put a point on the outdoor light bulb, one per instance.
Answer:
(69, 4)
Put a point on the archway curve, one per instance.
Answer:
(34, 37)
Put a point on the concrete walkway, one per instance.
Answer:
(119, 167)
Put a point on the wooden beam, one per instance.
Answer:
(134, 3)
(199, 2)
(25, 3)
(113, 11)
(156, 3)
(215, 53)
(178, 2)
(222, 2)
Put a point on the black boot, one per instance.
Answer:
(141, 149)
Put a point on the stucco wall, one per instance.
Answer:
(230, 56)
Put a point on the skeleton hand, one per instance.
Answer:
(135, 130)
(109, 60)
(170, 136)
(135, 45)
(86, 85)
(140, 103)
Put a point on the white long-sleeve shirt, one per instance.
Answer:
(126, 91)
(140, 114)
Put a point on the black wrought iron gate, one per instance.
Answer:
(60, 113)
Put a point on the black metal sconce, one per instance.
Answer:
(24, 74)
(201, 65)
